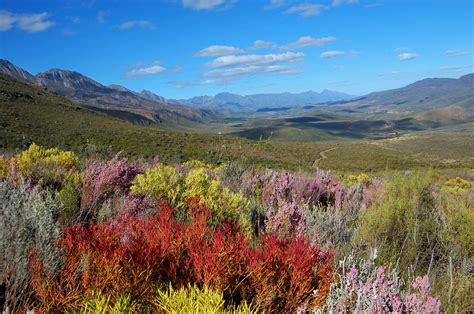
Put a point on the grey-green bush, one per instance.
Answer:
(27, 221)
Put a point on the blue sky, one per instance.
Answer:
(184, 48)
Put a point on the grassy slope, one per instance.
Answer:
(29, 114)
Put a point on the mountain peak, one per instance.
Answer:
(9, 68)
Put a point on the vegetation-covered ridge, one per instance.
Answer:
(29, 114)
(114, 235)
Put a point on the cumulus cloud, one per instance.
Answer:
(207, 4)
(7, 20)
(156, 69)
(337, 53)
(31, 23)
(250, 70)
(407, 56)
(457, 53)
(230, 61)
(136, 23)
(332, 54)
(274, 4)
(307, 41)
(262, 44)
(306, 9)
(216, 50)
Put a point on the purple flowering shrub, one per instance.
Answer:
(365, 288)
(106, 181)
(290, 200)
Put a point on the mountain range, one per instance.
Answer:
(145, 107)
(115, 100)
(423, 95)
(236, 102)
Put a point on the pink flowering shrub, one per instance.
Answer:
(365, 288)
(105, 180)
(289, 199)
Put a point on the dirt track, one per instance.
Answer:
(323, 156)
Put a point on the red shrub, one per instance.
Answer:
(286, 273)
(136, 254)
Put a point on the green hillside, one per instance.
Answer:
(29, 114)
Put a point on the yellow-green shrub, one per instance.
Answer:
(47, 165)
(402, 223)
(194, 300)
(456, 186)
(70, 198)
(362, 178)
(458, 217)
(4, 167)
(218, 198)
(104, 304)
(160, 182)
(164, 183)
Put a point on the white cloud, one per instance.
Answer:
(230, 61)
(274, 4)
(333, 54)
(31, 23)
(306, 9)
(336, 3)
(216, 50)
(262, 44)
(101, 15)
(407, 56)
(250, 70)
(457, 53)
(307, 41)
(156, 69)
(207, 4)
(455, 68)
(7, 20)
(136, 23)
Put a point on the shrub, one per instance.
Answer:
(105, 304)
(4, 167)
(132, 255)
(403, 224)
(104, 181)
(457, 185)
(27, 220)
(161, 183)
(362, 178)
(194, 300)
(362, 287)
(70, 198)
(219, 199)
(287, 273)
(46, 166)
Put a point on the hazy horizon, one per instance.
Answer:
(181, 49)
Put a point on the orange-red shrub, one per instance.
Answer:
(134, 255)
